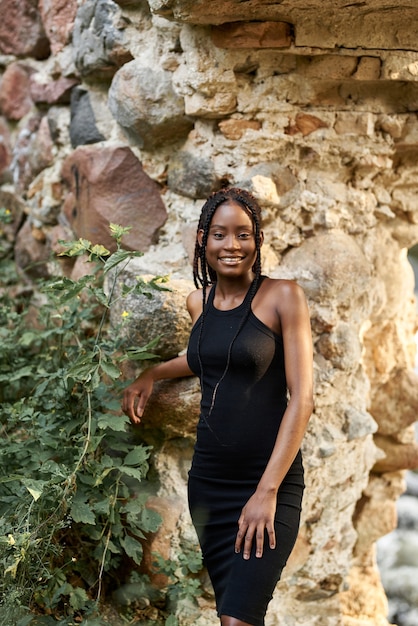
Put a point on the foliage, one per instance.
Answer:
(73, 484)
(181, 574)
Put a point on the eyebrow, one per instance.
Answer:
(239, 227)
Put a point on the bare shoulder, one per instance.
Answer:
(194, 304)
(288, 298)
(284, 290)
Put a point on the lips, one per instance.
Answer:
(231, 260)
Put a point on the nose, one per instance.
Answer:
(231, 242)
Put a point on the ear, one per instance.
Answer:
(261, 237)
(200, 236)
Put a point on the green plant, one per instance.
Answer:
(182, 580)
(73, 482)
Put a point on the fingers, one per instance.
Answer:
(272, 536)
(133, 404)
(250, 533)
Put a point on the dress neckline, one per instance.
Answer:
(211, 297)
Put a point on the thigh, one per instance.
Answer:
(251, 582)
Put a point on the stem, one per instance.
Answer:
(88, 437)
(108, 537)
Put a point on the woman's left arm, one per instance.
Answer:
(258, 514)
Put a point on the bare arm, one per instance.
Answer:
(136, 395)
(258, 513)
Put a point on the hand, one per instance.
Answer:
(136, 396)
(256, 517)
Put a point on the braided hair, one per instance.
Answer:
(204, 275)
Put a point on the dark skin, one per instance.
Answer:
(281, 306)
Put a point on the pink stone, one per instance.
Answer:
(21, 29)
(54, 92)
(305, 124)
(108, 184)
(234, 129)
(15, 99)
(58, 17)
(5, 145)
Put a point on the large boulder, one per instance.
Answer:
(143, 101)
(108, 184)
(143, 317)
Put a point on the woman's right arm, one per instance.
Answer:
(136, 395)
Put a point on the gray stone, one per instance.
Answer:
(83, 129)
(98, 38)
(358, 424)
(159, 314)
(144, 103)
(190, 175)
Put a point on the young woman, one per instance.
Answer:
(251, 347)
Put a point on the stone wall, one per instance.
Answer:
(133, 112)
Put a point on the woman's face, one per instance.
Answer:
(231, 247)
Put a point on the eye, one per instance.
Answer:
(244, 236)
(217, 235)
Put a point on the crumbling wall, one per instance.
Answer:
(135, 111)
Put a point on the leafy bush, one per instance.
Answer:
(73, 484)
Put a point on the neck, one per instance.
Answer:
(233, 286)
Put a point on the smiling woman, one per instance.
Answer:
(251, 348)
(231, 249)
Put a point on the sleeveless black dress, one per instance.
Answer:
(233, 446)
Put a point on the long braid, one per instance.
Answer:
(204, 275)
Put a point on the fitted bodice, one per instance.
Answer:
(252, 396)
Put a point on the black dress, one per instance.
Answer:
(233, 446)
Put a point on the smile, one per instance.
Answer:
(231, 259)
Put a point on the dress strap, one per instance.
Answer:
(211, 295)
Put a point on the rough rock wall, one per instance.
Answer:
(133, 112)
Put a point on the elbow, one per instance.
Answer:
(307, 407)
(305, 404)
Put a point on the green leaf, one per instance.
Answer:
(118, 257)
(82, 512)
(20, 373)
(99, 250)
(171, 621)
(99, 479)
(150, 520)
(35, 487)
(24, 621)
(132, 471)
(135, 505)
(137, 355)
(27, 338)
(78, 598)
(111, 370)
(132, 548)
(114, 422)
(75, 248)
(137, 456)
(102, 507)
